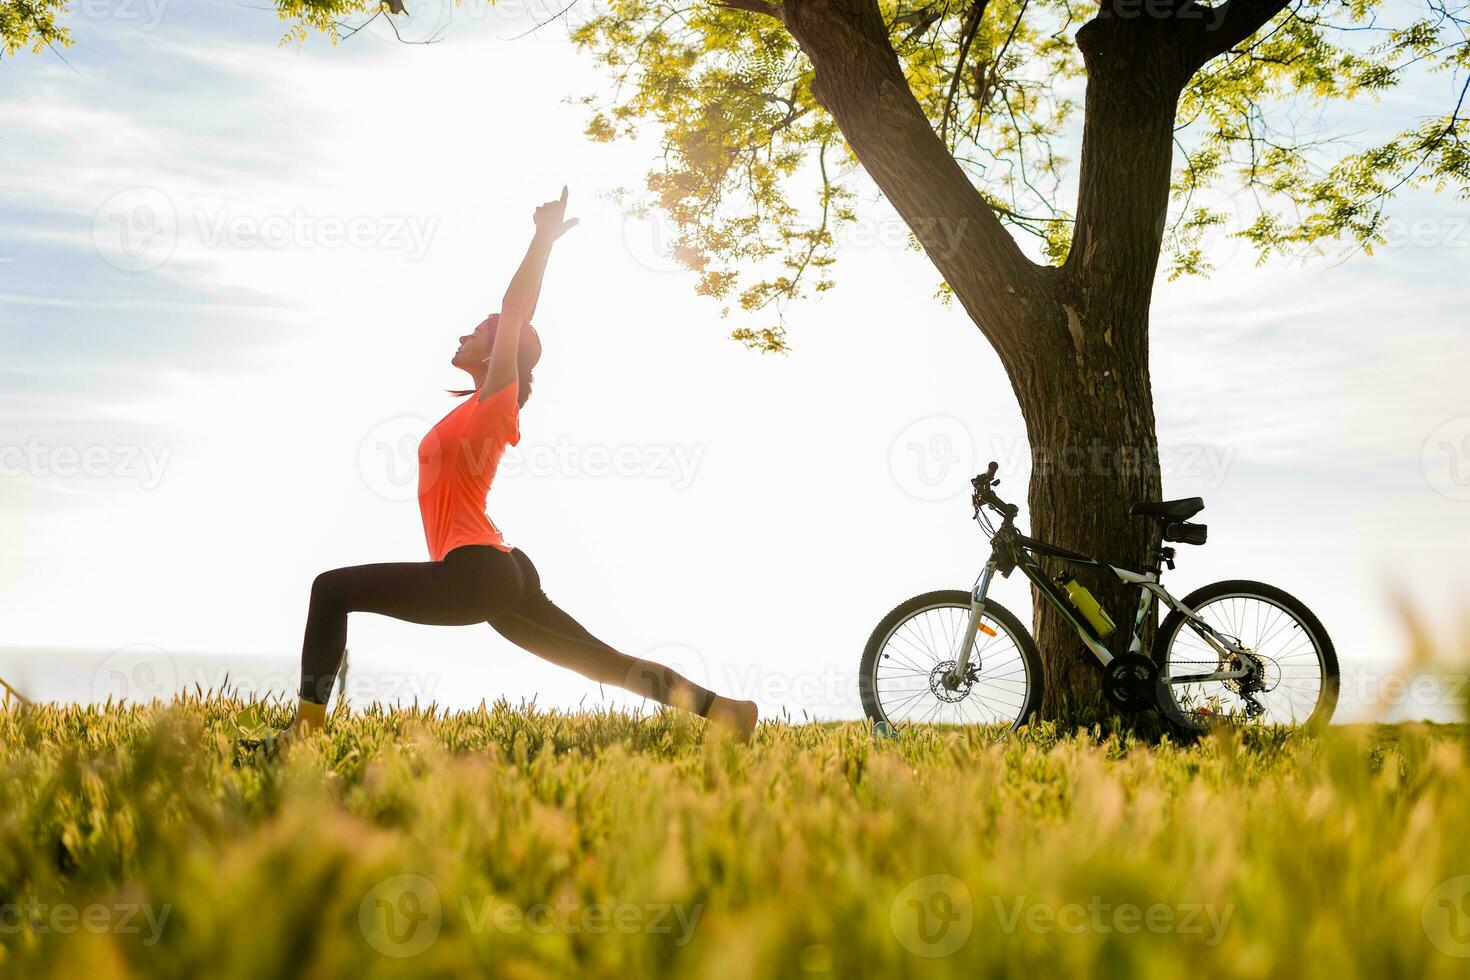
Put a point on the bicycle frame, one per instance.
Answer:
(1012, 549)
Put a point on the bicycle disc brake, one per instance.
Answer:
(942, 684)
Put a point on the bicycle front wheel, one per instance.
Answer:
(1297, 680)
(906, 675)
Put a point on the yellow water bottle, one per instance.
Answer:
(1088, 606)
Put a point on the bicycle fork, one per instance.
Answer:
(975, 625)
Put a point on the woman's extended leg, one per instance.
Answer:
(540, 626)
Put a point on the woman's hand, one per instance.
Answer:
(551, 221)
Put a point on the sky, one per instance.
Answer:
(232, 275)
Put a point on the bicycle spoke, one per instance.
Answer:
(1293, 682)
(910, 679)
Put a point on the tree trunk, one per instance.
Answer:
(1073, 340)
(1094, 452)
(1088, 402)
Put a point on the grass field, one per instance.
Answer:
(143, 841)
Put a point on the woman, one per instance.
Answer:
(474, 576)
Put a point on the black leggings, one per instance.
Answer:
(474, 584)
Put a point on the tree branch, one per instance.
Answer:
(968, 31)
(751, 6)
(1221, 28)
(1135, 72)
(859, 80)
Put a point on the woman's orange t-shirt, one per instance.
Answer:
(457, 460)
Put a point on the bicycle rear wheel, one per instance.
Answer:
(1299, 673)
(914, 648)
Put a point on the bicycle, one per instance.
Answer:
(1234, 650)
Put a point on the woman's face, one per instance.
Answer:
(474, 347)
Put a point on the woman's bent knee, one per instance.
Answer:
(327, 588)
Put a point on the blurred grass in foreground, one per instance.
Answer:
(142, 841)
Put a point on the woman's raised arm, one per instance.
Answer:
(522, 294)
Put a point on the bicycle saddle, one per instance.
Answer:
(1169, 510)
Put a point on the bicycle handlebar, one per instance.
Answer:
(985, 495)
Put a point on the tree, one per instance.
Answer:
(957, 110)
(31, 25)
